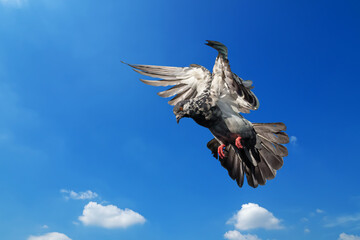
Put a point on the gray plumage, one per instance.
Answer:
(214, 100)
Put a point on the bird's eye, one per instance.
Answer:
(181, 108)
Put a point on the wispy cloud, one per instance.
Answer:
(13, 3)
(345, 220)
(109, 216)
(50, 236)
(293, 140)
(236, 235)
(252, 216)
(304, 219)
(344, 236)
(319, 210)
(306, 230)
(69, 194)
(15, 117)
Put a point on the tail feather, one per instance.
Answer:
(259, 176)
(266, 169)
(234, 173)
(277, 149)
(274, 161)
(257, 171)
(250, 177)
(258, 162)
(270, 127)
(279, 137)
(240, 179)
(213, 145)
(249, 157)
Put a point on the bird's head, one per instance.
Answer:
(182, 109)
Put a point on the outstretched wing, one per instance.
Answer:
(231, 90)
(187, 82)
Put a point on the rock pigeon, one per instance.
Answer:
(215, 100)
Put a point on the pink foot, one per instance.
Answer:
(238, 143)
(220, 151)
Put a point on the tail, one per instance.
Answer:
(260, 161)
(221, 48)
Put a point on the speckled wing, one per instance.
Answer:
(187, 82)
(231, 90)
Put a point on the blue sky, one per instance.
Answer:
(82, 139)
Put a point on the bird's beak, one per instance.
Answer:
(179, 116)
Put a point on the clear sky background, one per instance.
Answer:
(82, 139)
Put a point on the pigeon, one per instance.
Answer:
(215, 101)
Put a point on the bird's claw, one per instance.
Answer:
(238, 142)
(221, 151)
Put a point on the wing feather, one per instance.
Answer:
(187, 82)
(182, 96)
(174, 90)
(163, 83)
(228, 87)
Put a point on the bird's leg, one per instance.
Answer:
(221, 151)
(238, 143)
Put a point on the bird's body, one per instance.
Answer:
(214, 100)
(224, 126)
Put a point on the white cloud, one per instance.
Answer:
(252, 216)
(45, 226)
(236, 235)
(293, 140)
(50, 236)
(319, 211)
(306, 230)
(13, 3)
(80, 195)
(109, 216)
(344, 236)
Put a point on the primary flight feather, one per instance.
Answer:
(214, 100)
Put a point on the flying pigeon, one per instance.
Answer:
(215, 100)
